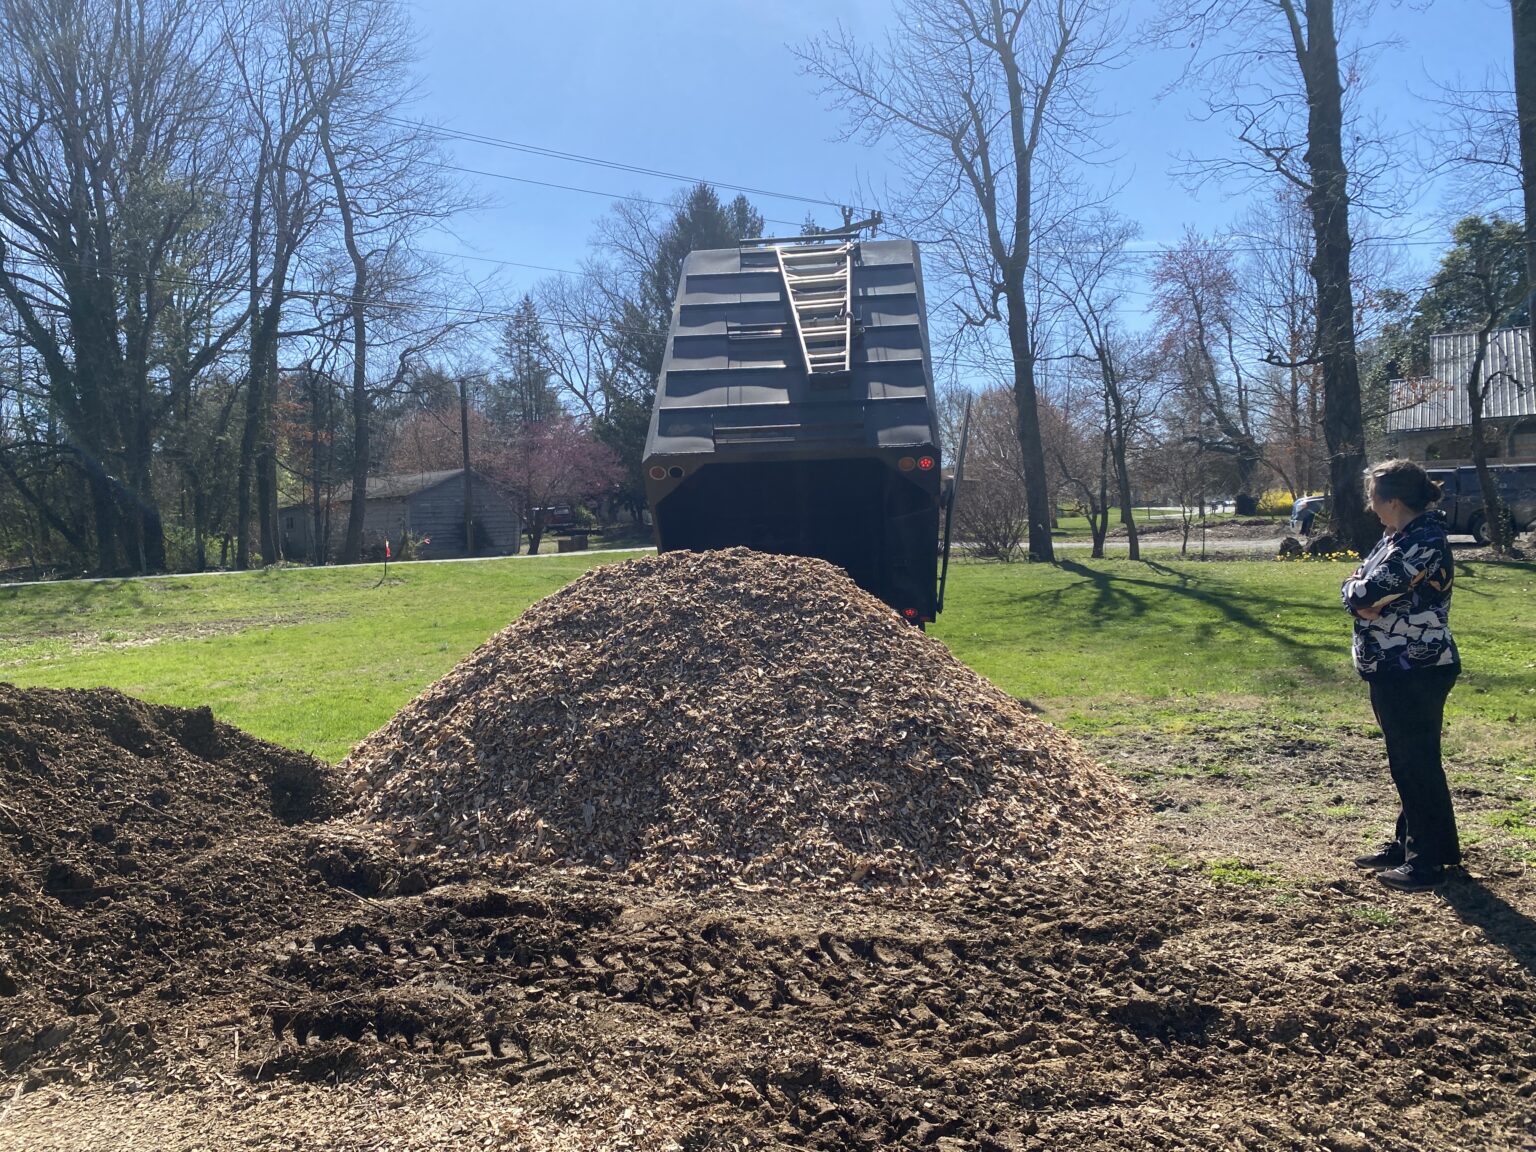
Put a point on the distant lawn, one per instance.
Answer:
(1076, 527)
(317, 658)
(1154, 646)
(314, 658)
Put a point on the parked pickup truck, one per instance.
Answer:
(1462, 502)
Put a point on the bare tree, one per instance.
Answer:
(1482, 279)
(1523, 13)
(1075, 432)
(386, 188)
(576, 312)
(993, 511)
(282, 209)
(1196, 290)
(1090, 272)
(989, 107)
(1273, 68)
(110, 149)
(1276, 313)
(1475, 136)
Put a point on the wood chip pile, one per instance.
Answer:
(697, 719)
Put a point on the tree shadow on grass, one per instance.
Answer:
(1114, 592)
(1503, 924)
(1469, 570)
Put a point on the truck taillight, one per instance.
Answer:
(926, 463)
(658, 472)
(909, 613)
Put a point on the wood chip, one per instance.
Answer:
(703, 719)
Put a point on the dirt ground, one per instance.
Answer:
(196, 953)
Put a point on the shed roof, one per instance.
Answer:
(396, 486)
(1439, 400)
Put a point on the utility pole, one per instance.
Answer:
(469, 487)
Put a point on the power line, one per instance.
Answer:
(497, 260)
(599, 162)
(586, 191)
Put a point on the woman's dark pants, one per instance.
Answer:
(1410, 707)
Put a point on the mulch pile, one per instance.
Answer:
(729, 717)
(200, 948)
(132, 836)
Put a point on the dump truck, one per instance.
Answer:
(795, 413)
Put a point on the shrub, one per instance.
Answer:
(1276, 502)
(411, 546)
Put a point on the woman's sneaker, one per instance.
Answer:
(1389, 855)
(1413, 877)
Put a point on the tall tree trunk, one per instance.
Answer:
(246, 469)
(1523, 15)
(266, 503)
(1117, 451)
(266, 473)
(318, 471)
(148, 526)
(1037, 501)
(255, 407)
(199, 525)
(352, 549)
(1248, 459)
(352, 546)
(1100, 525)
(1493, 505)
(1328, 204)
(469, 487)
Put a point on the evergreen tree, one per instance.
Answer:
(642, 313)
(526, 395)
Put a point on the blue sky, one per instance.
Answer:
(711, 90)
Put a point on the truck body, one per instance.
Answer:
(795, 412)
(1462, 501)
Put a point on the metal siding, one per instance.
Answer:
(1440, 400)
(438, 514)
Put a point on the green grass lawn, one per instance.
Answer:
(1156, 645)
(317, 658)
(314, 658)
(1077, 528)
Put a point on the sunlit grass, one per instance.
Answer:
(317, 658)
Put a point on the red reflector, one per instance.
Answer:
(909, 612)
(658, 472)
(925, 463)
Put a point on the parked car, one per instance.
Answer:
(559, 520)
(1305, 511)
(1461, 505)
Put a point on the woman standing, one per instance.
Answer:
(1401, 600)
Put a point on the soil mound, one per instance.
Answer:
(729, 716)
(132, 837)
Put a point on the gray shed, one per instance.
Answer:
(427, 505)
(1429, 417)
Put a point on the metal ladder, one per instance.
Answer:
(818, 284)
